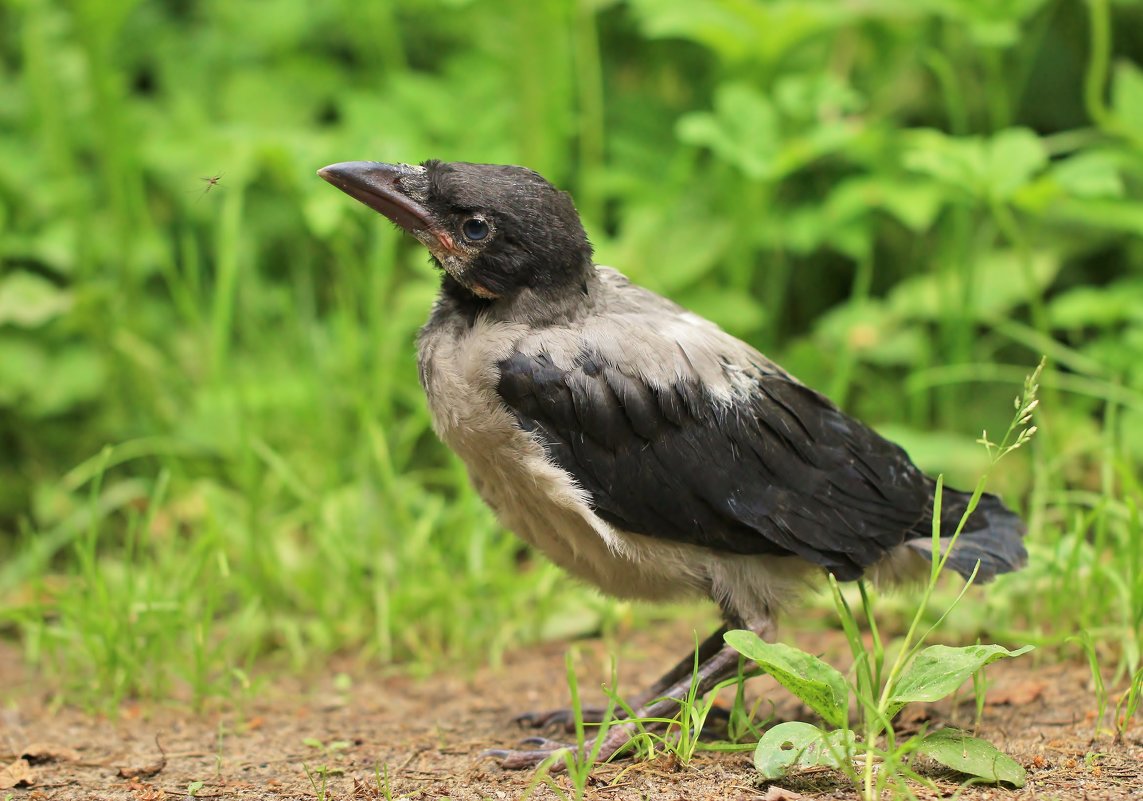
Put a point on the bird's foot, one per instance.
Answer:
(565, 719)
(539, 749)
(536, 751)
(717, 662)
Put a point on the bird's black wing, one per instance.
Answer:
(777, 469)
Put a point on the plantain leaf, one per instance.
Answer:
(962, 752)
(818, 685)
(797, 744)
(939, 670)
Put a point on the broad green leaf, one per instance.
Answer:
(1127, 97)
(743, 130)
(796, 744)
(818, 685)
(810, 228)
(45, 381)
(22, 362)
(867, 329)
(29, 301)
(1108, 214)
(667, 252)
(741, 30)
(999, 284)
(1089, 174)
(1014, 156)
(939, 670)
(74, 375)
(989, 24)
(1097, 306)
(804, 95)
(986, 169)
(955, 162)
(915, 203)
(1119, 354)
(962, 752)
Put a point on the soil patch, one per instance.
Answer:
(328, 738)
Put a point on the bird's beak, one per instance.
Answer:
(378, 186)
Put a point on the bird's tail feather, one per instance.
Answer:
(993, 535)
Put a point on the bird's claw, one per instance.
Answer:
(563, 718)
(543, 743)
(541, 720)
(531, 757)
(541, 749)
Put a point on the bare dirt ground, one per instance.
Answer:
(428, 734)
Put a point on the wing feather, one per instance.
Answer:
(775, 468)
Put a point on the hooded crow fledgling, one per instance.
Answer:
(638, 445)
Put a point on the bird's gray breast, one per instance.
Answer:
(537, 500)
(532, 496)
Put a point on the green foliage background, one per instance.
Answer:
(212, 442)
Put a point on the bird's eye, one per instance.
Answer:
(474, 229)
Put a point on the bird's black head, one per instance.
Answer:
(494, 229)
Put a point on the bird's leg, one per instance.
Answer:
(566, 718)
(717, 667)
(686, 666)
(722, 665)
